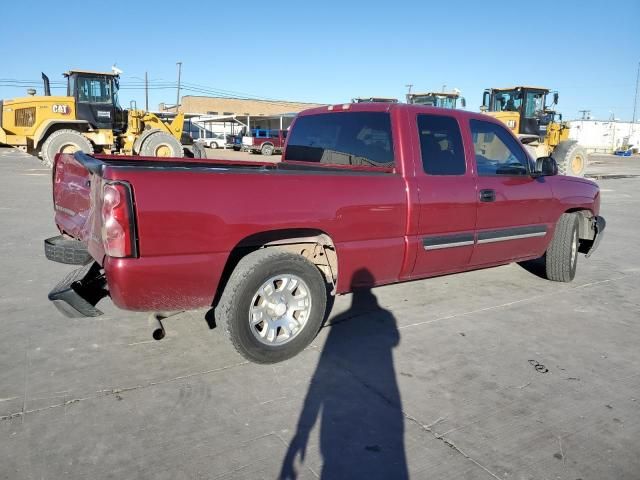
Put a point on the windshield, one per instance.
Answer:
(508, 101)
(534, 104)
(446, 102)
(95, 89)
(435, 101)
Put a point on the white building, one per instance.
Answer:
(604, 136)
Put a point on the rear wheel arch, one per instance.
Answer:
(315, 245)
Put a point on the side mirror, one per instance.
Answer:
(555, 98)
(463, 102)
(546, 167)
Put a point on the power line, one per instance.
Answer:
(156, 85)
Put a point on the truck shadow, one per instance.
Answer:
(354, 397)
(535, 267)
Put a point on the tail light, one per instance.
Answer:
(118, 230)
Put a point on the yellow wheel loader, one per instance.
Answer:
(539, 127)
(88, 118)
(437, 99)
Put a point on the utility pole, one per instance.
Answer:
(635, 99)
(586, 114)
(409, 87)
(179, 64)
(146, 92)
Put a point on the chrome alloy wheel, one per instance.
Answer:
(280, 309)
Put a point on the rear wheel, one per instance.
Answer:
(198, 151)
(273, 305)
(571, 158)
(64, 141)
(161, 144)
(561, 258)
(267, 149)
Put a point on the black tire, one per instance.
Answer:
(64, 140)
(213, 145)
(198, 150)
(571, 158)
(161, 144)
(561, 258)
(250, 274)
(267, 149)
(139, 141)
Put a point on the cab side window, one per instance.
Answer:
(441, 145)
(496, 151)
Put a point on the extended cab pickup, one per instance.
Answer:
(367, 194)
(266, 142)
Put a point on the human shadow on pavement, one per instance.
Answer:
(354, 396)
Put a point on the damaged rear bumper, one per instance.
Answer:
(77, 294)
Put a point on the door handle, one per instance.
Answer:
(487, 195)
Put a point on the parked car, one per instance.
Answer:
(266, 142)
(367, 194)
(218, 140)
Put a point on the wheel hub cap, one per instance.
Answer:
(577, 163)
(280, 309)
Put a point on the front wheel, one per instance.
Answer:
(561, 258)
(161, 144)
(273, 305)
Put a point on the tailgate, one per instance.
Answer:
(75, 198)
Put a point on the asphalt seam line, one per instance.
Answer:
(509, 304)
(116, 391)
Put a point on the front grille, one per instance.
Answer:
(25, 117)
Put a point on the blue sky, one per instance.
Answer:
(330, 51)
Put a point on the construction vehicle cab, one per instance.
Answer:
(437, 99)
(96, 97)
(374, 100)
(524, 110)
(88, 118)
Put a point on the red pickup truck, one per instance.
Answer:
(367, 194)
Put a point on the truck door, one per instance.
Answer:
(446, 196)
(514, 209)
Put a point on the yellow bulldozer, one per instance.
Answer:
(539, 127)
(88, 118)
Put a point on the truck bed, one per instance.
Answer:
(191, 214)
(98, 163)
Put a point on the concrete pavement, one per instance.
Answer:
(493, 374)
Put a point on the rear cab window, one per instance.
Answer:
(342, 138)
(441, 145)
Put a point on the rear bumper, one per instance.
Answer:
(66, 250)
(598, 226)
(77, 294)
